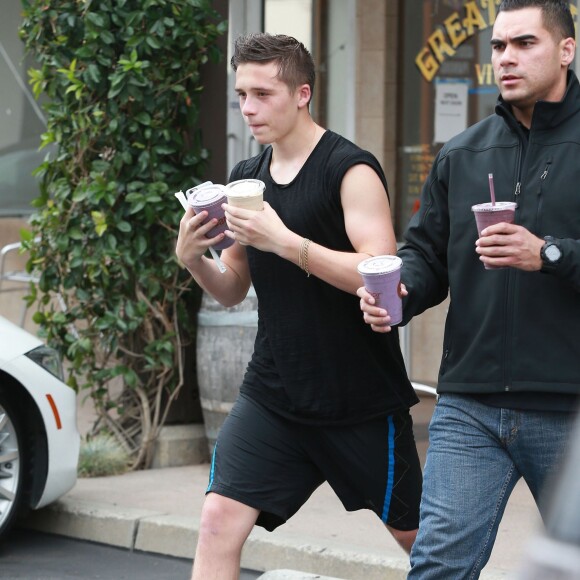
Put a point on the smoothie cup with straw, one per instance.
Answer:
(183, 201)
(210, 197)
(494, 212)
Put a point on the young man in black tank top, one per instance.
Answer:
(324, 398)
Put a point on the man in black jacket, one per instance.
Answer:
(509, 379)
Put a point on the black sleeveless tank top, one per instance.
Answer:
(315, 360)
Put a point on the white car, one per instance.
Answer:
(39, 439)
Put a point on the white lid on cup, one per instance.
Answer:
(245, 187)
(205, 195)
(192, 190)
(499, 206)
(379, 265)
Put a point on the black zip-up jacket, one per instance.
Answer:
(507, 330)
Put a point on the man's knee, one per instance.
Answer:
(405, 538)
(223, 517)
(214, 516)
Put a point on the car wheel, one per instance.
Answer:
(11, 464)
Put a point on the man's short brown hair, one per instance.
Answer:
(296, 66)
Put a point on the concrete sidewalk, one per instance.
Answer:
(158, 511)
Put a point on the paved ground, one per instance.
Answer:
(158, 511)
(30, 555)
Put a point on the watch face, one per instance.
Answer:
(552, 253)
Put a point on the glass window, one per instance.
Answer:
(446, 85)
(21, 119)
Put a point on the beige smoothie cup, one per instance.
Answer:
(246, 194)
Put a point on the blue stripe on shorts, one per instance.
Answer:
(212, 469)
(391, 473)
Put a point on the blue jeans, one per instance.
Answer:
(476, 455)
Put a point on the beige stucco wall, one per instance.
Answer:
(376, 83)
(371, 72)
(376, 130)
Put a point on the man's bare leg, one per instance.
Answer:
(405, 538)
(225, 526)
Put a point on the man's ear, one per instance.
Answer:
(304, 95)
(568, 51)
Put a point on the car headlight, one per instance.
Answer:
(48, 359)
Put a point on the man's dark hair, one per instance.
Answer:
(296, 66)
(556, 15)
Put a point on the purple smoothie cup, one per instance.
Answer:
(488, 214)
(382, 278)
(209, 197)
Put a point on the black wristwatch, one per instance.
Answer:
(551, 254)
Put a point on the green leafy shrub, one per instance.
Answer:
(102, 455)
(121, 81)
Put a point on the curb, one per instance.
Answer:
(293, 575)
(279, 556)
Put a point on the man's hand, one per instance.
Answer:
(263, 230)
(511, 245)
(378, 318)
(191, 242)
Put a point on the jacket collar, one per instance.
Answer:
(547, 115)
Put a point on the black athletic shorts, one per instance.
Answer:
(267, 462)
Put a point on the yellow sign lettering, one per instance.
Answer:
(473, 18)
(454, 29)
(484, 74)
(491, 12)
(427, 64)
(443, 42)
(439, 45)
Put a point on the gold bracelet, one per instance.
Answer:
(303, 255)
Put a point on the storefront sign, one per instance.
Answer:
(442, 43)
(456, 29)
(450, 110)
